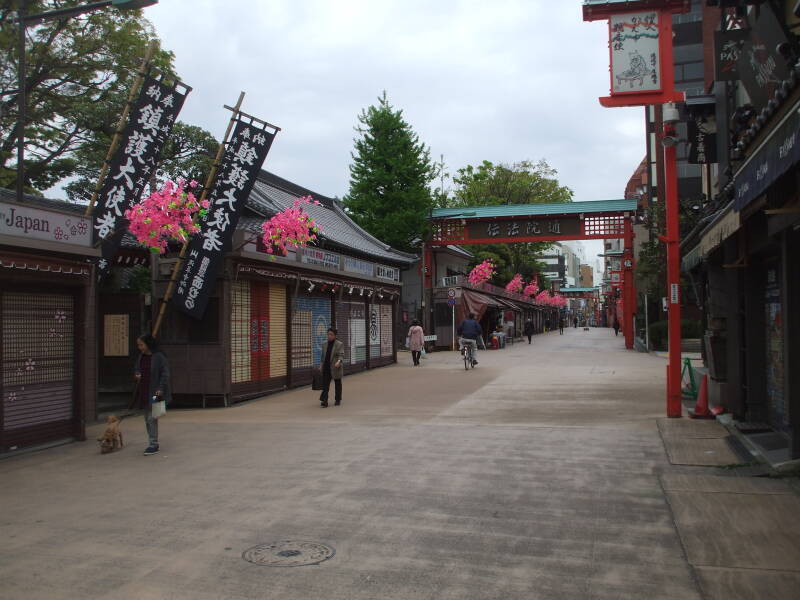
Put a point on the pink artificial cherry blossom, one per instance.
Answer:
(290, 228)
(167, 215)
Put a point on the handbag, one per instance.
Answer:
(158, 409)
(316, 380)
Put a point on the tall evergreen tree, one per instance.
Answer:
(390, 177)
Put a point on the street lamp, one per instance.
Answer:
(23, 20)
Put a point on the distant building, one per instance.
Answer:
(562, 265)
(587, 276)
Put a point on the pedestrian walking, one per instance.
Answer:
(152, 375)
(331, 367)
(616, 327)
(416, 341)
(576, 322)
(561, 326)
(528, 329)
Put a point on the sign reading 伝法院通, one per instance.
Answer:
(521, 228)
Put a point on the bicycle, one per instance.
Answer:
(469, 357)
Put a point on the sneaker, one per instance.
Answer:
(151, 450)
(324, 405)
(474, 362)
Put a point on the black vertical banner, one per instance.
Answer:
(241, 162)
(149, 124)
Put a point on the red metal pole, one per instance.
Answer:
(628, 297)
(674, 407)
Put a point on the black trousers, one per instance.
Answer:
(415, 354)
(326, 386)
(530, 335)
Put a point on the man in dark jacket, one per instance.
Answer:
(528, 330)
(469, 331)
(332, 368)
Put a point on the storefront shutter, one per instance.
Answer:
(311, 317)
(38, 367)
(240, 332)
(277, 340)
(387, 331)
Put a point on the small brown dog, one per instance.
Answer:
(112, 437)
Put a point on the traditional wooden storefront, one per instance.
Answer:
(47, 346)
(268, 318)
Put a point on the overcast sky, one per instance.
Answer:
(501, 81)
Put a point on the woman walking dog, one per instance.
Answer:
(152, 373)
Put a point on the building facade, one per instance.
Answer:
(741, 257)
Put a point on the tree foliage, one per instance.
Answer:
(79, 71)
(524, 182)
(390, 177)
(188, 154)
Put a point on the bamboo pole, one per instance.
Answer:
(137, 84)
(212, 174)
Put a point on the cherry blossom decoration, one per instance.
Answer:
(481, 273)
(515, 285)
(531, 289)
(290, 228)
(169, 214)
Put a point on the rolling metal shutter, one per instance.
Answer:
(352, 327)
(387, 331)
(240, 332)
(277, 328)
(38, 367)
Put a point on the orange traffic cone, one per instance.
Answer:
(701, 408)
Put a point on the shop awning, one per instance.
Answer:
(774, 157)
(31, 263)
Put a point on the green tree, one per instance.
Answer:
(523, 182)
(390, 177)
(188, 154)
(79, 71)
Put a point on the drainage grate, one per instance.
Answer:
(288, 553)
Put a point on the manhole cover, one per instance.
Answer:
(288, 553)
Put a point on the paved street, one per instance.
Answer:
(537, 475)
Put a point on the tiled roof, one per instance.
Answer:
(522, 210)
(272, 194)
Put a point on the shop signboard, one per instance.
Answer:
(760, 66)
(727, 49)
(315, 256)
(635, 52)
(38, 224)
(384, 272)
(774, 158)
(359, 267)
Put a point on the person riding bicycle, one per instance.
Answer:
(469, 331)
